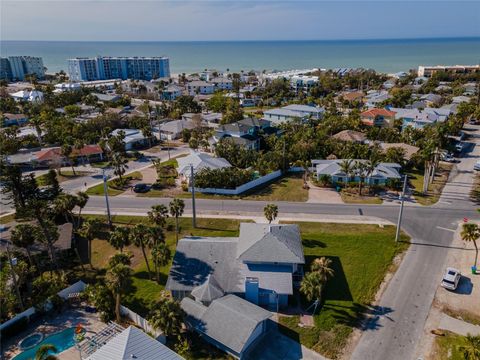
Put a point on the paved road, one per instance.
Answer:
(405, 304)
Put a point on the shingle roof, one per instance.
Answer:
(350, 135)
(133, 343)
(208, 291)
(230, 320)
(200, 161)
(332, 168)
(270, 243)
(377, 112)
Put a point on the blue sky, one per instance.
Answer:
(236, 20)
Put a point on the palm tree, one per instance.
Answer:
(43, 352)
(471, 350)
(176, 210)
(161, 256)
(311, 286)
(120, 237)
(64, 204)
(140, 236)
(120, 258)
(24, 236)
(48, 236)
(166, 315)
(88, 230)
(119, 163)
(470, 233)
(361, 168)
(271, 212)
(82, 199)
(117, 280)
(346, 166)
(158, 215)
(322, 266)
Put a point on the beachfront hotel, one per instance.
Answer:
(428, 71)
(17, 67)
(104, 68)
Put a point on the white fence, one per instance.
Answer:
(242, 188)
(141, 322)
(79, 286)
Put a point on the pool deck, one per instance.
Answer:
(55, 322)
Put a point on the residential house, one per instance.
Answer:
(351, 96)
(460, 99)
(230, 323)
(378, 117)
(210, 119)
(200, 87)
(418, 119)
(28, 95)
(432, 100)
(65, 87)
(49, 157)
(374, 97)
(222, 83)
(303, 83)
(350, 136)
(199, 161)
(106, 98)
(14, 119)
(383, 172)
(260, 265)
(247, 129)
(292, 112)
(172, 130)
(409, 150)
(134, 138)
(172, 92)
(133, 343)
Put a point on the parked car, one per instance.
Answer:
(451, 278)
(141, 188)
(473, 122)
(462, 135)
(459, 147)
(477, 166)
(449, 158)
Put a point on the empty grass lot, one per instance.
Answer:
(447, 347)
(361, 256)
(65, 176)
(113, 190)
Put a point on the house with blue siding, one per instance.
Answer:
(262, 265)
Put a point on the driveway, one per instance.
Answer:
(320, 195)
(275, 346)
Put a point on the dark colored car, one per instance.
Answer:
(141, 188)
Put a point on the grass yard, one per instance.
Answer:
(100, 164)
(144, 290)
(66, 175)
(447, 347)
(434, 189)
(7, 218)
(361, 255)
(113, 190)
(351, 198)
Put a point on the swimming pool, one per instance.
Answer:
(62, 341)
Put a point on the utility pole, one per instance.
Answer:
(105, 190)
(192, 183)
(399, 223)
(14, 277)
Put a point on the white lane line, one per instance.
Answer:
(446, 229)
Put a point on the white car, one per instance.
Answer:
(451, 278)
(476, 166)
(459, 147)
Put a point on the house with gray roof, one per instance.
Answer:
(381, 175)
(200, 161)
(292, 112)
(231, 323)
(247, 129)
(261, 265)
(133, 343)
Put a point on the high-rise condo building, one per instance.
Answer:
(104, 68)
(17, 67)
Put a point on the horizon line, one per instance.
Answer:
(476, 37)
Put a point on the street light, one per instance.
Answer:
(400, 214)
(192, 184)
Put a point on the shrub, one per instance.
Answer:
(224, 178)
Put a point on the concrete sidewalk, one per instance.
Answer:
(458, 326)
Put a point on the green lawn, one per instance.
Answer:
(288, 188)
(144, 290)
(113, 190)
(7, 218)
(447, 347)
(100, 164)
(350, 198)
(415, 178)
(361, 255)
(66, 175)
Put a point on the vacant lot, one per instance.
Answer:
(361, 255)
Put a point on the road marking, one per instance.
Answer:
(446, 229)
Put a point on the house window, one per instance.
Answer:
(375, 182)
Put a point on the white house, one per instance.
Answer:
(64, 87)
(172, 91)
(172, 130)
(134, 138)
(222, 83)
(292, 112)
(28, 95)
(199, 161)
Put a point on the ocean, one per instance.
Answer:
(382, 55)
